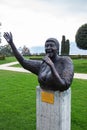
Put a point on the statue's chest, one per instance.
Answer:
(45, 72)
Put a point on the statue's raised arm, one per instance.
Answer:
(30, 65)
(54, 72)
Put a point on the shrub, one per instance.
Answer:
(2, 57)
(81, 37)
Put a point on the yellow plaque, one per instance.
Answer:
(47, 97)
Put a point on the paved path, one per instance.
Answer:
(18, 69)
(8, 66)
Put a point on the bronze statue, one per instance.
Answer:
(54, 72)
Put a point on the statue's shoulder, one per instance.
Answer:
(68, 67)
(65, 58)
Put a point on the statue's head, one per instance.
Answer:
(52, 47)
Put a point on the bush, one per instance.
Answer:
(78, 56)
(81, 37)
(2, 57)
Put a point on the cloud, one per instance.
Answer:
(53, 7)
(35, 20)
(67, 6)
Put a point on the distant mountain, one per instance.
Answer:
(74, 50)
(37, 49)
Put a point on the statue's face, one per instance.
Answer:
(50, 49)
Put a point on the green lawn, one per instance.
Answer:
(79, 105)
(80, 65)
(8, 60)
(18, 102)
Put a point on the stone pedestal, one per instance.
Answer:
(53, 110)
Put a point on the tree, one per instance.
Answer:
(65, 46)
(81, 37)
(6, 50)
(25, 51)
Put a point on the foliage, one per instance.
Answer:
(25, 51)
(78, 56)
(6, 50)
(65, 46)
(81, 37)
(2, 57)
(18, 102)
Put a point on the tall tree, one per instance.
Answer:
(65, 46)
(81, 37)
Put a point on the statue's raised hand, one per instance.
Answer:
(8, 37)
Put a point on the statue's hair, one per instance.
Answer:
(55, 41)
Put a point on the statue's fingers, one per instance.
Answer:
(6, 34)
(10, 34)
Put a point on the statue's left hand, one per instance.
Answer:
(47, 60)
(8, 37)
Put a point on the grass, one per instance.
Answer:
(8, 60)
(79, 105)
(18, 102)
(80, 65)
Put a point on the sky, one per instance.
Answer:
(33, 21)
